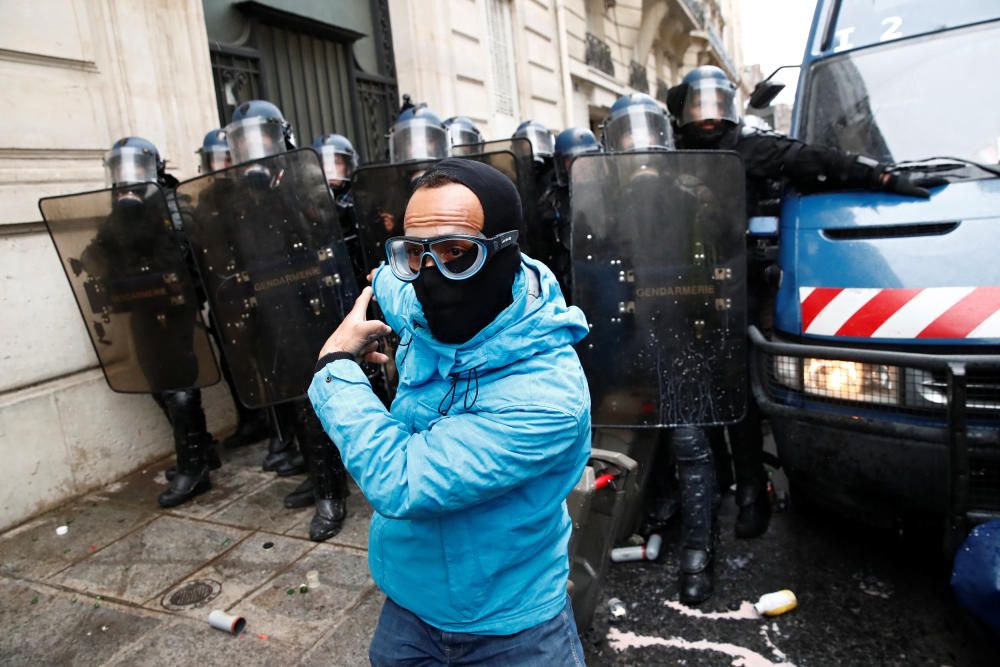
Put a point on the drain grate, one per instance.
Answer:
(191, 594)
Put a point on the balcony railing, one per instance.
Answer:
(637, 77)
(697, 9)
(598, 55)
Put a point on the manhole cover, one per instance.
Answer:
(191, 594)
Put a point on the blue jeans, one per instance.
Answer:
(403, 639)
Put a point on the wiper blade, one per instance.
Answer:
(940, 164)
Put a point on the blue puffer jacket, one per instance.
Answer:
(469, 472)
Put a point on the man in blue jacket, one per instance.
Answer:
(490, 430)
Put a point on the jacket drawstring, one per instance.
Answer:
(471, 378)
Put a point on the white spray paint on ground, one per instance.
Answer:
(745, 612)
(742, 657)
(778, 653)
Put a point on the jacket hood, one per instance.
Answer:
(528, 326)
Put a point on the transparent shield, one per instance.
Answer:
(131, 281)
(272, 258)
(659, 268)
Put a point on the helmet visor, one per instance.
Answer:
(418, 140)
(337, 165)
(463, 136)
(639, 129)
(254, 138)
(215, 158)
(129, 165)
(709, 99)
(543, 144)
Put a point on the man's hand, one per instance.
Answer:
(358, 335)
(901, 184)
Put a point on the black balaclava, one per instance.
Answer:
(456, 310)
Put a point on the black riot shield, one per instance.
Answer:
(268, 244)
(659, 268)
(129, 274)
(531, 237)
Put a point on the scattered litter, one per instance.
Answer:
(230, 623)
(104, 628)
(312, 578)
(226, 542)
(97, 605)
(34, 600)
(739, 562)
(290, 591)
(303, 589)
(67, 550)
(268, 545)
(873, 586)
(648, 551)
(262, 636)
(775, 604)
(617, 609)
(93, 547)
(62, 530)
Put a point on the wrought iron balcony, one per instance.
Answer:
(637, 77)
(598, 55)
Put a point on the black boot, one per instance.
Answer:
(304, 495)
(252, 427)
(697, 575)
(327, 473)
(281, 447)
(192, 443)
(754, 506)
(214, 462)
(696, 477)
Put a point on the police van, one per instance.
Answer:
(881, 374)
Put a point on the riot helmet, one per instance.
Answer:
(132, 160)
(541, 140)
(570, 143)
(704, 104)
(340, 160)
(418, 134)
(214, 152)
(461, 132)
(637, 123)
(258, 130)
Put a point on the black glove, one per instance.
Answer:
(901, 184)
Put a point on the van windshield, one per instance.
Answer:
(866, 22)
(910, 100)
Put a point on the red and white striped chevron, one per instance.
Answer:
(931, 312)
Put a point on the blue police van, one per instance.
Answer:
(881, 372)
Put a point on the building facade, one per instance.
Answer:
(560, 62)
(75, 75)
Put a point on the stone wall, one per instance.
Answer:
(76, 75)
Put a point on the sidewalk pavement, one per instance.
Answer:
(129, 583)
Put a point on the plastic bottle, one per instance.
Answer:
(648, 551)
(775, 604)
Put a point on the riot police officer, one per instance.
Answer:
(637, 123)
(130, 162)
(704, 109)
(418, 134)
(259, 130)
(555, 210)
(463, 132)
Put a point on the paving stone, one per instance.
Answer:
(347, 645)
(42, 626)
(228, 484)
(143, 564)
(240, 572)
(249, 456)
(36, 551)
(139, 489)
(264, 508)
(187, 642)
(355, 530)
(302, 618)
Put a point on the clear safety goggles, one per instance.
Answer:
(457, 256)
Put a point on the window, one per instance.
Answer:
(501, 48)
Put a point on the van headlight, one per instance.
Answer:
(842, 380)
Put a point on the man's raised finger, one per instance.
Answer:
(360, 308)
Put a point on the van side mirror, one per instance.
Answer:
(764, 93)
